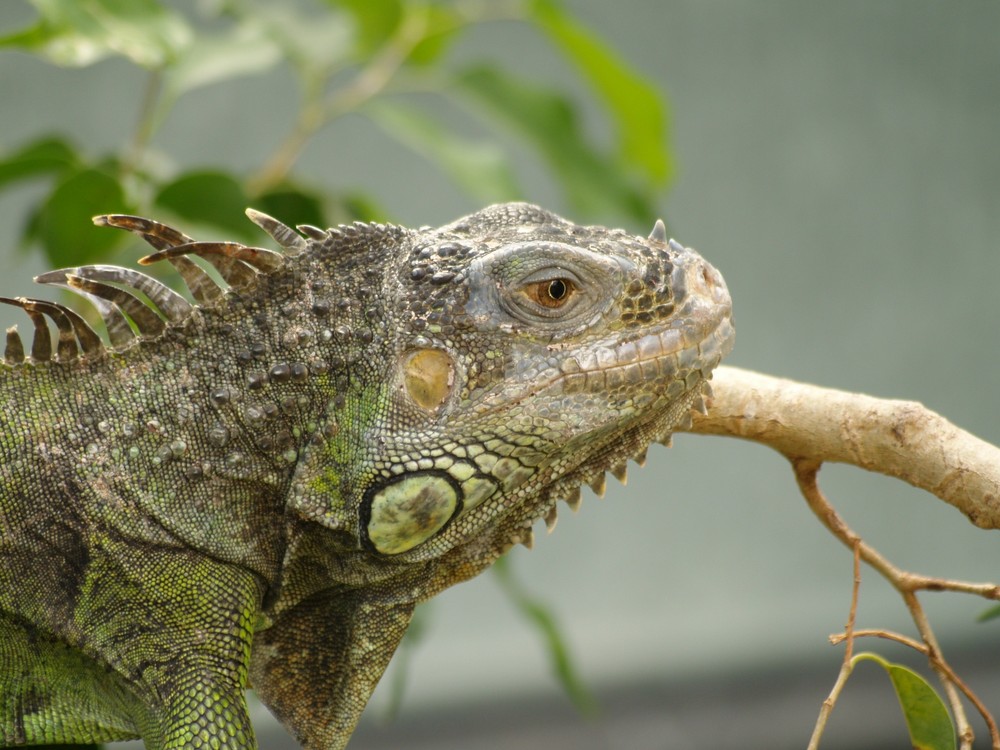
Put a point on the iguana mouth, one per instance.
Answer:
(664, 354)
(683, 358)
(671, 355)
(696, 336)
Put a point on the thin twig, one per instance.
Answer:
(846, 667)
(939, 665)
(852, 616)
(827, 708)
(145, 124)
(887, 634)
(902, 580)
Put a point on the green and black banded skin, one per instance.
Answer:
(256, 486)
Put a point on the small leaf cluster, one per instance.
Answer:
(357, 57)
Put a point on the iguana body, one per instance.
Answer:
(260, 487)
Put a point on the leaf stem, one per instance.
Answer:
(145, 124)
(317, 111)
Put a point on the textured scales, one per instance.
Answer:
(258, 488)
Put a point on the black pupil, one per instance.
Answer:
(557, 289)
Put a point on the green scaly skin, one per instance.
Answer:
(260, 488)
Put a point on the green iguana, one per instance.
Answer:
(257, 488)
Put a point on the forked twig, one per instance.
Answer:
(907, 584)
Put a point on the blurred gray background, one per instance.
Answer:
(840, 164)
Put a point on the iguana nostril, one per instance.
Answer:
(707, 282)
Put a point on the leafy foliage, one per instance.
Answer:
(81, 32)
(349, 57)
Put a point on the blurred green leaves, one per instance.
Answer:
(544, 621)
(550, 122)
(376, 21)
(62, 224)
(241, 50)
(81, 32)
(636, 107)
(479, 166)
(46, 156)
(207, 197)
(349, 57)
(61, 221)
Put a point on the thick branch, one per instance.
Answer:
(902, 439)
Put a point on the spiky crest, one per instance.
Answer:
(133, 305)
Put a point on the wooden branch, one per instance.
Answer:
(902, 439)
(810, 425)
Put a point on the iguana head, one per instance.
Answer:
(529, 355)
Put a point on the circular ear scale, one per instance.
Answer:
(406, 511)
(428, 377)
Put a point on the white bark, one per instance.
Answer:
(902, 439)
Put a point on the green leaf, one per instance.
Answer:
(637, 107)
(243, 50)
(927, 717)
(478, 166)
(414, 635)
(989, 614)
(46, 156)
(440, 27)
(292, 205)
(376, 21)
(213, 198)
(539, 616)
(63, 223)
(594, 183)
(315, 43)
(348, 207)
(81, 32)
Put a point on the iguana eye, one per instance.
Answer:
(551, 293)
(545, 289)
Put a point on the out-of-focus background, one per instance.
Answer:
(840, 164)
